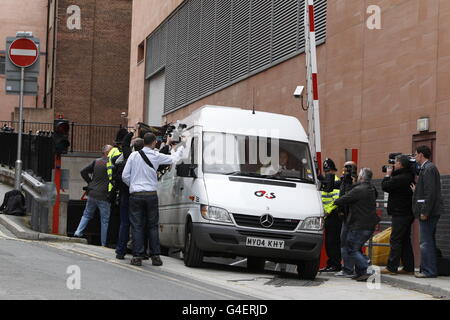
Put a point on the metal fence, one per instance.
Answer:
(37, 153)
(84, 138)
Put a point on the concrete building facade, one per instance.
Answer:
(374, 83)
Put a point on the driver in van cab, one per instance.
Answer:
(271, 169)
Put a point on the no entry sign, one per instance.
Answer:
(23, 52)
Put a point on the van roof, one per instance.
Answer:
(242, 121)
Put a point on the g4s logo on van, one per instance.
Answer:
(265, 194)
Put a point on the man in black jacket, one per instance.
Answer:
(397, 183)
(427, 207)
(361, 221)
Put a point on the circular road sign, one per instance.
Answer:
(23, 52)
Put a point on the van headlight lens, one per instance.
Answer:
(312, 223)
(215, 214)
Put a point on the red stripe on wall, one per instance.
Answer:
(355, 155)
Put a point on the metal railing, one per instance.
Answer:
(36, 155)
(39, 198)
(84, 138)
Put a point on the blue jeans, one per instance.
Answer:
(428, 264)
(144, 210)
(91, 205)
(355, 241)
(124, 231)
(348, 263)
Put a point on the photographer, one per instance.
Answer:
(397, 183)
(333, 224)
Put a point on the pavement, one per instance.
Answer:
(21, 226)
(232, 277)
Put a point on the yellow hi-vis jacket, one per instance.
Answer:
(329, 197)
(109, 166)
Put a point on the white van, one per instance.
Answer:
(246, 187)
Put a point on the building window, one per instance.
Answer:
(207, 45)
(141, 52)
(2, 64)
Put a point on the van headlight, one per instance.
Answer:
(312, 223)
(215, 214)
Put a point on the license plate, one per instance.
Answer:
(264, 243)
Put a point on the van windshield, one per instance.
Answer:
(256, 156)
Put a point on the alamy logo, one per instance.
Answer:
(374, 20)
(74, 280)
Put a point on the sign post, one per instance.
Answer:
(23, 53)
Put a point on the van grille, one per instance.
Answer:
(244, 220)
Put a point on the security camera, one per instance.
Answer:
(299, 91)
(123, 114)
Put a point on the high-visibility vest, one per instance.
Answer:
(329, 197)
(109, 166)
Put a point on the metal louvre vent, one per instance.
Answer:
(207, 45)
(244, 220)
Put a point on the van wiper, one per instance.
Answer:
(290, 179)
(245, 174)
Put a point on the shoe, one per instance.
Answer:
(389, 272)
(120, 256)
(405, 272)
(330, 269)
(362, 278)
(343, 274)
(423, 275)
(136, 261)
(156, 261)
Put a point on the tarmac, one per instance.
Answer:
(20, 227)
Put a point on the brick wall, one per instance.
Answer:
(92, 64)
(443, 229)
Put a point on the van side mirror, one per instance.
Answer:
(187, 170)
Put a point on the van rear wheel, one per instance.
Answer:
(193, 256)
(256, 264)
(307, 270)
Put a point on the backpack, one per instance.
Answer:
(13, 203)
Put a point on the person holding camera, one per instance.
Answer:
(427, 207)
(361, 221)
(140, 175)
(397, 183)
(333, 224)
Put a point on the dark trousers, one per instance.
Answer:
(428, 264)
(401, 248)
(124, 230)
(144, 209)
(333, 226)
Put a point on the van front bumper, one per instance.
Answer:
(231, 240)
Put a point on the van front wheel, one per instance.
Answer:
(307, 270)
(193, 256)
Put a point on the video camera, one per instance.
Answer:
(174, 131)
(391, 161)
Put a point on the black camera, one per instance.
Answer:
(413, 166)
(174, 132)
(349, 174)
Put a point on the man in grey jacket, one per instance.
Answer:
(428, 206)
(97, 195)
(361, 221)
